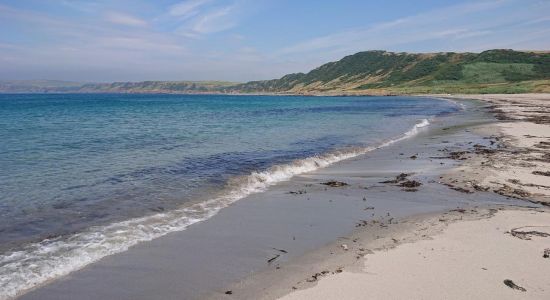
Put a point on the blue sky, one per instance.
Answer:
(240, 40)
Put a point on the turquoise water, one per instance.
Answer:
(69, 161)
(112, 170)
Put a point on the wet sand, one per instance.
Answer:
(498, 252)
(267, 244)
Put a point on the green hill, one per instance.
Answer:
(381, 72)
(363, 73)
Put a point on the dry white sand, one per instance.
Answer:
(472, 259)
(522, 167)
(469, 260)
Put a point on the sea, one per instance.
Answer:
(84, 176)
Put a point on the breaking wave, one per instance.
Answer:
(40, 262)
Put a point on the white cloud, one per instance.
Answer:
(124, 19)
(424, 26)
(187, 8)
(214, 21)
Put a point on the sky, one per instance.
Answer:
(242, 40)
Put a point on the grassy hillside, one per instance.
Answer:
(381, 72)
(369, 72)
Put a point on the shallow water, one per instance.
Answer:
(69, 161)
(139, 166)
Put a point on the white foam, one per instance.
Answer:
(40, 262)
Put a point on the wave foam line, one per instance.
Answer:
(40, 262)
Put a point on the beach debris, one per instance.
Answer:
(484, 151)
(334, 183)
(345, 247)
(509, 191)
(461, 189)
(362, 223)
(410, 184)
(414, 156)
(316, 276)
(514, 286)
(368, 208)
(280, 250)
(273, 258)
(397, 179)
(542, 173)
(527, 234)
(543, 145)
(545, 157)
(460, 210)
(229, 292)
(480, 188)
(299, 192)
(518, 182)
(546, 253)
(458, 155)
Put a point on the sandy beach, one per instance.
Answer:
(473, 259)
(520, 165)
(457, 211)
(481, 253)
(265, 150)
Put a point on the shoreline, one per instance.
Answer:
(343, 169)
(178, 219)
(329, 94)
(379, 269)
(261, 236)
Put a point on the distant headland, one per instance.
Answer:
(365, 73)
